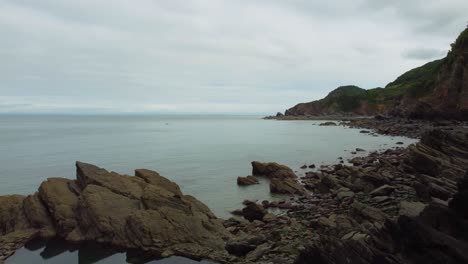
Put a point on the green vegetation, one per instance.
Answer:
(416, 83)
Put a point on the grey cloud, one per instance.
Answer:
(202, 55)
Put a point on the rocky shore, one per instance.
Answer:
(403, 205)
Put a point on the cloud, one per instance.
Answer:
(208, 56)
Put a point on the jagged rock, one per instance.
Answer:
(272, 170)
(248, 180)
(154, 178)
(61, 202)
(253, 212)
(145, 212)
(286, 186)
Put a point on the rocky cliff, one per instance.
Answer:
(436, 90)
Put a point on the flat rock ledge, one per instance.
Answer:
(145, 212)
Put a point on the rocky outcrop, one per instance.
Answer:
(146, 212)
(272, 170)
(282, 178)
(248, 180)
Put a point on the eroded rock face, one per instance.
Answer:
(146, 212)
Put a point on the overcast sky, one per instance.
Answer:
(239, 56)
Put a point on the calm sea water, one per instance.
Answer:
(203, 154)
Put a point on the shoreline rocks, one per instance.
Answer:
(145, 212)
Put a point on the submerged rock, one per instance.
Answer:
(146, 212)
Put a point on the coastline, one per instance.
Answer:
(344, 207)
(380, 207)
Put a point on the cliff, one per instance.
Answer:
(436, 90)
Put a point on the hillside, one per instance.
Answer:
(438, 89)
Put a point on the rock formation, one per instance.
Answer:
(248, 180)
(436, 90)
(146, 212)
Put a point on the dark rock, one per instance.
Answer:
(328, 124)
(272, 170)
(248, 180)
(253, 212)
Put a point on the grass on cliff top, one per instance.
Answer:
(416, 83)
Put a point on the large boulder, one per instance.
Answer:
(272, 170)
(146, 212)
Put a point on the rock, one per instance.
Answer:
(12, 216)
(304, 167)
(328, 124)
(146, 212)
(253, 212)
(360, 149)
(154, 178)
(286, 186)
(354, 235)
(344, 194)
(381, 199)
(244, 244)
(399, 143)
(272, 170)
(411, 209)
(237, 212)
(312, 166)
(62, 204)
(384, 190)
(269, 217)
(279, 114)
(248, 180)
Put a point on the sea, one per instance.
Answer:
(204, 154)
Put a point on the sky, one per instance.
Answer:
(210, 56)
